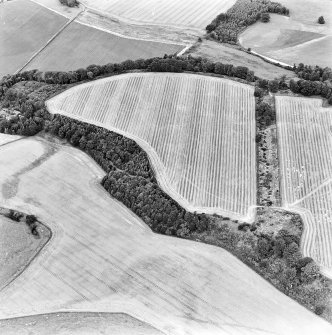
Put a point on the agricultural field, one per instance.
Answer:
(79, 46)
(18, 247)
(21, 35)
(215, 51)
(102, 258)
(77, 323)
(294, 39)
(305, 152)
(4, 139)
(194, 13)
(198, 131)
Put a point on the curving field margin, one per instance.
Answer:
(197, 131)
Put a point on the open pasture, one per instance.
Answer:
(79, 46)
(198, 131)
(297, 38)
(305, 153)
(17, 248)
(102, 258)
(186, 13)
(25, 28)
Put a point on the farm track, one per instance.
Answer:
(49, 41)
(102, 258)
(306, 166)
(201, 153)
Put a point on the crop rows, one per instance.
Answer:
(102, 258)
(198, 131)
(306, 150)
(194, 13)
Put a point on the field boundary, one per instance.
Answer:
(124, 36)
(156, 164)
(158, 169)
(141, 23)
(47, 43)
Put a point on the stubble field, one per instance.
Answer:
(102, 258)
(306, 149)
(194, 13)
(199, 133)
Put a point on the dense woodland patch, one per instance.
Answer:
(269, 246)
(226, 27)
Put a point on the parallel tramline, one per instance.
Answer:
(198, 131)
(306, 150)
(194, 13)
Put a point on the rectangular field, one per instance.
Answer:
(184, 13)
(79, 46)
(305, 153)
(25, 28)
(199, 133)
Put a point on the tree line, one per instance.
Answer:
(227, 26)
(130, 178)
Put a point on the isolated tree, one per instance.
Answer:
(265, 17)
(321, 20)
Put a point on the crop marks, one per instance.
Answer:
(102, 258)
(306, 150)
(198, 131)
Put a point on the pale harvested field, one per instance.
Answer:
(17, 248)
(306, 149)
(84, 45)
(102, 258)
(21, 35)
(295, 39)
(57, 7)
(4, 139)
(199, 133)
(185, 13)
(77, 324)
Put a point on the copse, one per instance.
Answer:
(321, 20)
(226, 27)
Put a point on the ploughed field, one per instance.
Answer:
(198, 131)
(185, 13)
(25, 28)
(102, 258)
(305, 138)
